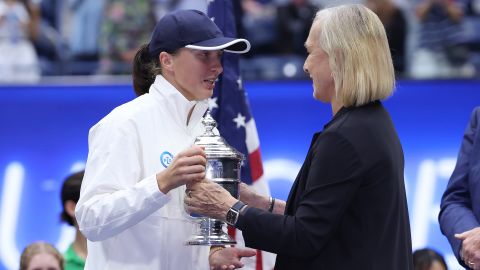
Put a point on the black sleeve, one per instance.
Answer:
(333, 178)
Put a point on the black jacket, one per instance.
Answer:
(347, 208)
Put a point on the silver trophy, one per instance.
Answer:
(223, 168)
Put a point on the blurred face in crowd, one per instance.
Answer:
(318, 68)
(193, 72)
(436, 265)
(375, 5)
(43, 261)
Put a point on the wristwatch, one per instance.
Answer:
(233, 213)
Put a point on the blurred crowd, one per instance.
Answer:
(38, 38)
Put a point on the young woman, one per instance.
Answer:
(141, 155)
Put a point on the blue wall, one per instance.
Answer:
(44, 137)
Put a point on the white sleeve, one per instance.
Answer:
(113, 196)
(3, 8)
(22, 13)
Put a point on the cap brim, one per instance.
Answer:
(233, 45)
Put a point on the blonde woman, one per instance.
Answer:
(347, 208)
(41, 255)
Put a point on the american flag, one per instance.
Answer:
(230, 108)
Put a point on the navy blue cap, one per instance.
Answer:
(192, 29)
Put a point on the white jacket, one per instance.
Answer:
(129, 223)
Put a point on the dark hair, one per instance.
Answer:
(70, 192)
(423, 259)
(145, 69)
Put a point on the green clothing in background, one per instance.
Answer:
(125, 27)
(72, 260)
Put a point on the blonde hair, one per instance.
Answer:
(355, 41)
(39, 248)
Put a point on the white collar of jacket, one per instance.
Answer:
(178, 105)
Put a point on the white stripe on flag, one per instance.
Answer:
(251, 139)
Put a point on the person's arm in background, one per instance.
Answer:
(456, 215)
(115, 194)
(423, 8)
(454, 11)
(35, 15)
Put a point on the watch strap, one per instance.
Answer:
(238, 206)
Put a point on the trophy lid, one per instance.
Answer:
(215, 145)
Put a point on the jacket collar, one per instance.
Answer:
(345, 110)
(177, 104)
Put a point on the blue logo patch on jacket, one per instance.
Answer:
(166, 158)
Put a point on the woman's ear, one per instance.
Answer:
(70, 208)
(166, 61)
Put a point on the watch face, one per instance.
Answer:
(231, 217)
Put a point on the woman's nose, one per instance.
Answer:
(217, 65)
(305, 69)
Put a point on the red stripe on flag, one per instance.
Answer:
(259, 262)
(256, 167)
(232, 231)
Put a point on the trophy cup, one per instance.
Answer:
(223, 168)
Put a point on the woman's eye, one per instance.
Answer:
(203, 55)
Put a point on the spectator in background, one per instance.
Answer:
(258, 21)
(163, 7)
(428, 259)
(41, 255)
(85, 33)
(440, 52)
(76, 253)
(459, 215)
(34, 13)
(19, 62)
(50, 44)
(395, 25)
(125, 27)
(474, 7)
(472, 33)
(293, 24)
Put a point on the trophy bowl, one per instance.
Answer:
(223, 167)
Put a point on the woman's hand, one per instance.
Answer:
(187, 167)
(207, 198)
(229, 258)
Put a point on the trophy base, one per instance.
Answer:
(211, 240)
(210, 233)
